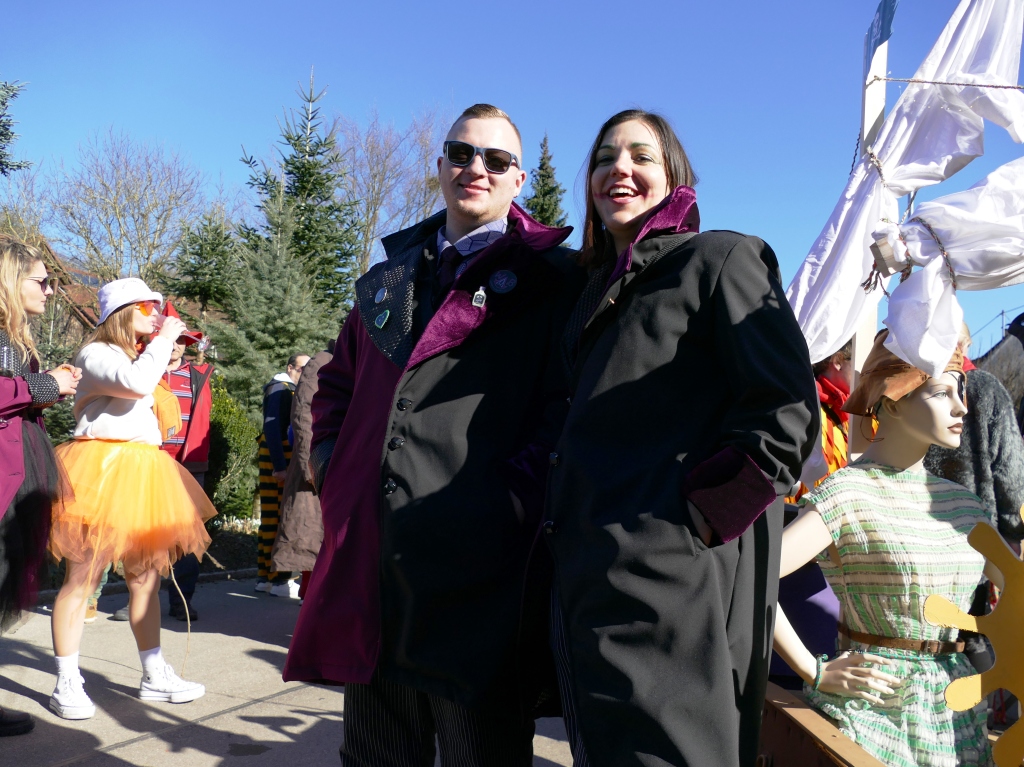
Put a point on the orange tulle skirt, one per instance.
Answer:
(133, 503)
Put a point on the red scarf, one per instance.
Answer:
(834, 396)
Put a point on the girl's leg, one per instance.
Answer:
(67, 623)
(144, 608)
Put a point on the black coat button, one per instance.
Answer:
(403, 404)
(390, 486)
(550, 527)
(553, 459)
(395, 443)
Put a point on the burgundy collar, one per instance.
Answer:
(532, 233)
(675, 214)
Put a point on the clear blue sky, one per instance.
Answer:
(766, 96)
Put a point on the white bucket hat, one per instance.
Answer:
(118, 293)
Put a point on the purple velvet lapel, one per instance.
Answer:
(676, 214)
(457, 318)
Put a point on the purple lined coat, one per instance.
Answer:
(435, 417)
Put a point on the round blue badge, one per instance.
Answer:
(503, 281)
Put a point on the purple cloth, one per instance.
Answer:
(730, 490)
(15, 398)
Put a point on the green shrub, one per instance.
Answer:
(60, 421)
(232, 478)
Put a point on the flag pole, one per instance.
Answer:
(872, 116)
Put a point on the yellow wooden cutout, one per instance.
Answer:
(1003, 627)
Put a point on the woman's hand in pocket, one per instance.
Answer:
(703, 528)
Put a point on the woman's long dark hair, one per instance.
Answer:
(596, 247)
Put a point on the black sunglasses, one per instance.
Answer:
(460, 154)
(45, 282)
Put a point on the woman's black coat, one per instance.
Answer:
(693, 382)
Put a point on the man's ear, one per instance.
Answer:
(522, 181)
(439, 164)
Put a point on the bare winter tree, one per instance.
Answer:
(393, 175)
(123, 208)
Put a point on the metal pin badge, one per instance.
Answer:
(382, 318)
(480, 297)
(381, 295)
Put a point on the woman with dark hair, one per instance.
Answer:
(692, 409)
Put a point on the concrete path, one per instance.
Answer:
(247, 717)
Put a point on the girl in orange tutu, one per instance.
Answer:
(133, 503)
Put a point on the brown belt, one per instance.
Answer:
(930, 646)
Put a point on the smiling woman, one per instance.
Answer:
(693, 408)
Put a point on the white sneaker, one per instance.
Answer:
(69, 700)
(288, 589)
(263, 586)
(166, 686)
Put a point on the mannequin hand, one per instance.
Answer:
(280, 475)
(67, 379)
(171, 328)
(847, 677)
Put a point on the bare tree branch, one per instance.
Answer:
(122, 209)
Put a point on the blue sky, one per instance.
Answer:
(765, 96)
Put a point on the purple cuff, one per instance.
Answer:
(730, 491)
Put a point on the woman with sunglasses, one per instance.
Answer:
(133, 503)
(692, 409)
(30, 483)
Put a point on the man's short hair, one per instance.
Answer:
(488, 112)
(293, 361)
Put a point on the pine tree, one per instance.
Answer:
(311, 178)
(8, 92)
(270, 310)
(205, 263)
(545, 200)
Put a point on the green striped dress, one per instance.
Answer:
(902, 536)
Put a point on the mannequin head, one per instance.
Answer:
(932, 414)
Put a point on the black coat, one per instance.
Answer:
(693, 382)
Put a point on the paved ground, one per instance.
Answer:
(247, 717)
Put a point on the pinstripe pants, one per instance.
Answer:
(560, 648)
(392, 725)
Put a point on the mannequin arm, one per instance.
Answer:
(803, 540)
(791, 649)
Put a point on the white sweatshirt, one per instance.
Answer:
(115, 396)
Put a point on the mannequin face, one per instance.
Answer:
(933, 413)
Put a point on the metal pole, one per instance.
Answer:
(872, 117)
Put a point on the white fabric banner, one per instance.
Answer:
(982, 232)
(931, 133)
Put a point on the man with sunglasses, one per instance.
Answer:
(432, 429)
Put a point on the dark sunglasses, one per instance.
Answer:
(460, 154)
(45, 283)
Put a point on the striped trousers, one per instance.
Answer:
(560, 648)
(392, 725)
(270, 508)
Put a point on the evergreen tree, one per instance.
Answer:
(8, 92)
(271, 313)
(325, 237)
(204, 264)
(545, 200)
